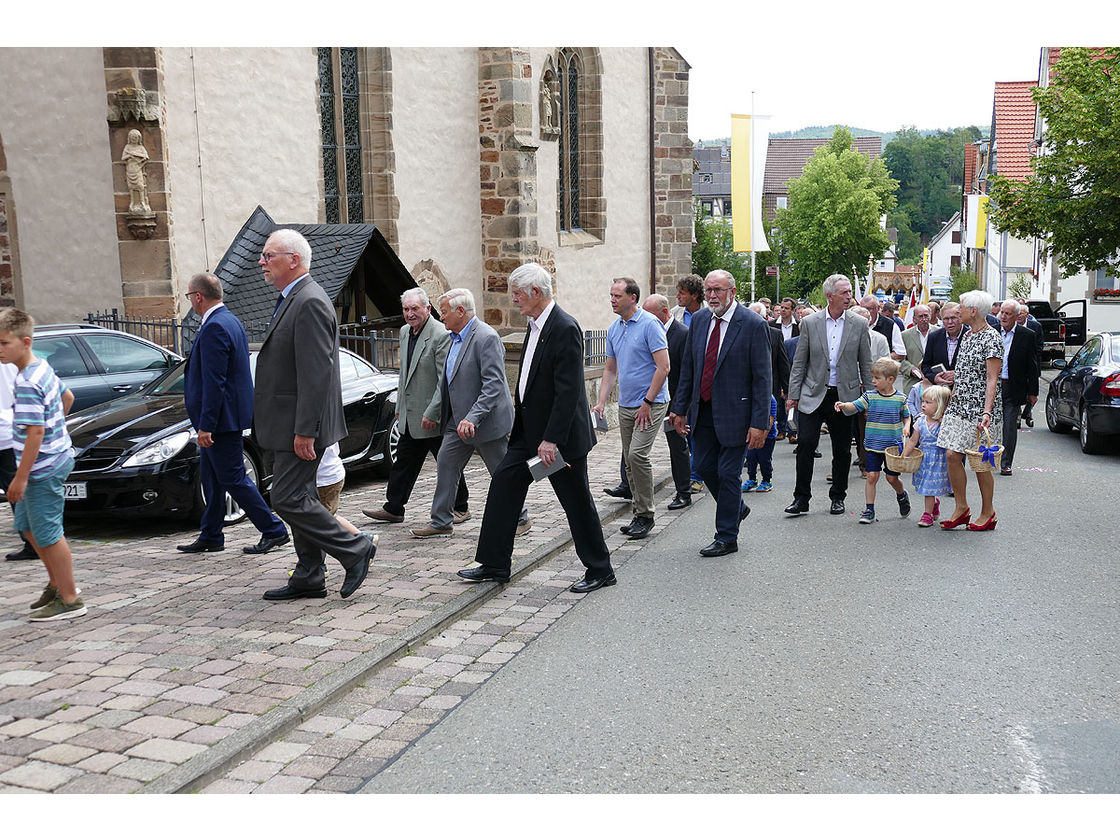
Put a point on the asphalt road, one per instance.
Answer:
(824, 657)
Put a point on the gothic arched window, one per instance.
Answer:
(581, 207)
(340, 121)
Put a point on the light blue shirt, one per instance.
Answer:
(457, 339)
(1008, 337)
(632, 343)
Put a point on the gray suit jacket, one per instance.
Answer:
(418, 394)
(477, 390)
(911, 366)
(298, 386)
(808, 377)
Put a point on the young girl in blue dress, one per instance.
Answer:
(932, 478)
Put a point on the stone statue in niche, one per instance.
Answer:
(550, 106)
(135, 158)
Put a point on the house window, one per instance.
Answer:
(783, 202)
(340, 124)
(707, 205)
(705, 177)
(1104, 279)
(727, 207)
(581, 210)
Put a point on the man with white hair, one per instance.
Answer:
(914, 338)
(885, 325)
(551, 419)
(298, 415)
(476, 412)
(424, 343)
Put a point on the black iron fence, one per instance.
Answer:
(595, 347)
(376, 346)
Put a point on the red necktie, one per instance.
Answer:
(710, 356)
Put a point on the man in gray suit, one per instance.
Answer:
(832, 364)
(476, 410)
(914, 339)
(298, 414)
(424, 343)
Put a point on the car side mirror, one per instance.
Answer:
(1058, 363)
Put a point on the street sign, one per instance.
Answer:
(771, 271)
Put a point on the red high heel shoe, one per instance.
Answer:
(950, 524)
(990, 525)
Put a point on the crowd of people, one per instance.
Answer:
(724, 381)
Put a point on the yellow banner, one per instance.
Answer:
(741, 183)
(982, 221)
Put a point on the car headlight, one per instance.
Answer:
(162, 450)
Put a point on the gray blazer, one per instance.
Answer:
(298, 386)
(911, 366)
(477, 390)
(808, 377)
(418, 394)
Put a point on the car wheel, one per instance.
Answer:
(1055, 425)
(233, 512)
(1091, 442)
(389, 450)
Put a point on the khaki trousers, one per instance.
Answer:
(636, 446)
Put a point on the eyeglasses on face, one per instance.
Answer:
(268, 255)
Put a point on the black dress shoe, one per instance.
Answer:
(625, 529)
(267, 544)
(836, 508)
(591, 584)
(641, 526)
(356, 574)
(817, 454)
(745, 512)
(681, 500)
(479, 574)
(718, 548)
(198, 546)
(619, 492)
(25, 553)
(290, 593)
(797, 508)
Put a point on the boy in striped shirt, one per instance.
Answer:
(43, 451)
(888, 421)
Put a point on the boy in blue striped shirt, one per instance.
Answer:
(43, 451)
(888, 421)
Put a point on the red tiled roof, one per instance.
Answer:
(1013, 129)
(971, 164)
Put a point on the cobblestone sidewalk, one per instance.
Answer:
(180, 667)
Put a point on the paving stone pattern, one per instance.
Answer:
(179, 652)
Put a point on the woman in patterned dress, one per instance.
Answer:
(976, 404)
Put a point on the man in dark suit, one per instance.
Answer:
(551, 416)
(1019, 377)
(724, 396)
(476, 412)
(1025, 319)
(942, 346)
(676, 334)
(298, 414)
(218, 392)
(779, 360)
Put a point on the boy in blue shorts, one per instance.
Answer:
(44, 456)
(888, 421)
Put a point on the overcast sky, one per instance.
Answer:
(876, 66)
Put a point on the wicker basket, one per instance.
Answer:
(976, 457)
(902, 463)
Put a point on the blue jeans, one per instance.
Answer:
(763, 458)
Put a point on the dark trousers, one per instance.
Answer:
(508, 487)
(411, 453)
(761, 459)
(809, 437)
(223, 471)
(1010, 429)
(721, 470)
(315, 531)
(8, 468)
(680, 463)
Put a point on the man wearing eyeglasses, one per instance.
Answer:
(218, 392)
(724, 396)
(298, 415)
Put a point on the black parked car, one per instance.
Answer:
(1086, 393)
(138, 454)
(99, 364)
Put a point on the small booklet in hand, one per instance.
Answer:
(539, 470)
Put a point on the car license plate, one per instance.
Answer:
(74, 490)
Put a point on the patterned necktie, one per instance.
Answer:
(710, 356)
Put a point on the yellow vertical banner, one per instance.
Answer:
(982, 221)
(742, 184)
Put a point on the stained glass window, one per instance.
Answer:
(340, 121)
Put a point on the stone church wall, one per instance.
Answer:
(52, 120)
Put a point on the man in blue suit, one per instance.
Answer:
(724, 396)
(218, 392)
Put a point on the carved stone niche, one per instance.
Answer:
(133, 104)
(140, 219)
(429, 277)
(550, 101)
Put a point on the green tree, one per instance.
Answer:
(1072, 199)
(832, 221)
(963, 281)
(714, 249)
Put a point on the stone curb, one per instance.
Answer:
(207, 766)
